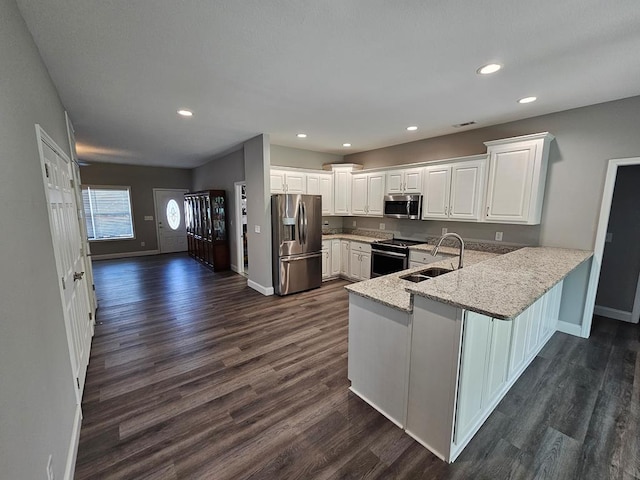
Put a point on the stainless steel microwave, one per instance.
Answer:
(403, 206)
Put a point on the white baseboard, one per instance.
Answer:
(72, 453)
(569, 328)
(266, 291)
(613, 313)
(110, 256)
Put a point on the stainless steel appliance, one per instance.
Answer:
(403, 206)
(390, 256)
(297, 242)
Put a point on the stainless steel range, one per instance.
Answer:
(390, 256)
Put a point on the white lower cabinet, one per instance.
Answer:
(326, 259)
(344, 257)
(335, 258)
(360, 261)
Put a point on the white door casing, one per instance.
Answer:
(67, 244)
(172, 233)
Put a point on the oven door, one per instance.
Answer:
(384, 263)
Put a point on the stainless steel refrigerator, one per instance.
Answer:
(297, 242)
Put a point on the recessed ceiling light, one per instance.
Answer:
(346, 144)
(185, 113)
(527, 99)
(488, 69)
(412, 128)
(302, 135)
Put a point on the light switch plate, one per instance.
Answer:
(382, 226)
(609, 237)
(354, 223)
(148, 218)
(256, 228)
(444, 230)
(498, 236)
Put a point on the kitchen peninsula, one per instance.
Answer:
(436, 357)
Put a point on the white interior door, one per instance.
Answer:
(67, 244)
(172, 233)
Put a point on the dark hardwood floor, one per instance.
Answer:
(195, 376)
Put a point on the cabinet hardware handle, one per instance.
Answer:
(487, 211)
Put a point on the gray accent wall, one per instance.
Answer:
(37, 399)
(296, 157)
(142, 180)
(222, 174)
(256, 168)
(621, 259)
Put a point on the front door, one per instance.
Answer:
(67, 245)
(172, 233)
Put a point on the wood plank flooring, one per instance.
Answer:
(195, 376)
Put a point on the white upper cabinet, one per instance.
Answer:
(517, 177)
(285, 181)
(342, 188)
(367, 193)
(404, 182)
(322, 184)
(453, 191)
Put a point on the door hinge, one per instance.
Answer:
(78, 382)
(90, 316)
(46, 169)
(64, 285)
(71, 182)
(94, 287)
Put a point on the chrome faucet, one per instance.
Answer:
(434, 252)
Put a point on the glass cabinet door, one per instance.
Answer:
(219, 218)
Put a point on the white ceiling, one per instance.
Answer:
(357, 71)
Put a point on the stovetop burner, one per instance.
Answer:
(400, 242)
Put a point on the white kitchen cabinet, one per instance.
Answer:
(360, 261)
(517, 177)
(518, 354)
(498, 363)
(454, 191)
(322, 184)
(378, 361)
(335, 258)
(419, 258)
(404, 182)
(342, 188)
(326, 259)
(367, 194)
(344, 258)
(288, 181)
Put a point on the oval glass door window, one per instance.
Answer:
(173, 214)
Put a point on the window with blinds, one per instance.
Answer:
(107, 212)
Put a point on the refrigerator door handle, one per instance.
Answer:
(300, 257)
(304, 221)
(299, 223)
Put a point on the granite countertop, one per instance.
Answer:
(504, 286)
(391, 290)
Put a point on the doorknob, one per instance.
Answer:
(77, 276)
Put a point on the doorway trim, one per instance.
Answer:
(239, 263)
(601, 234)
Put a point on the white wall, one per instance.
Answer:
(256, 168)
(221, 174)
(37, 400)
(297, 157)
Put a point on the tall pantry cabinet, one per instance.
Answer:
(207, 232)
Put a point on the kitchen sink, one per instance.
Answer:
(426, 274)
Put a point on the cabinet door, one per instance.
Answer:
(466, 190)
(519, 342)
(326, 261)
(296, 182)
(277, 181)
(342, 192)
(497, 369)
(344, 257)
(413, 180)
(511, 169)
(533, 330)
(375, 194)
(313, 184)
(436, 192)
(359, 189)
(395, 180)
(335, 258)
(475, 352)
(326, 190)
(365, 266)
(354, 265)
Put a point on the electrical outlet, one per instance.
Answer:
(444, 230)
(354, 224)
(50, 474)
(498, 236)
(256, 228)
(609, 237)
(325, 223)
(142, 244)
(382, 226)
